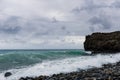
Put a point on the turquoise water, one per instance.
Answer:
(13, 59)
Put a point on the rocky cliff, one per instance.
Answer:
(103, 42)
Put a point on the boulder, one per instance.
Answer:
(103, 42)
(7, 74)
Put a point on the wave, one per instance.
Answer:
(62, 66)
(18, 59)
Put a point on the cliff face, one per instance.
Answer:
(103, 42)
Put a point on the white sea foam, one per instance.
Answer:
(64, 65)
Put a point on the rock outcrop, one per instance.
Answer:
(7, 74)
(103, 42)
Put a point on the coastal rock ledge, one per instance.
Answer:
(103, 42)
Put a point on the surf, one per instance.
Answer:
(11, 59)
(63, 65)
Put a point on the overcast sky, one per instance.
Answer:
(44, 24)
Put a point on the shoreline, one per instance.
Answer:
(106, 72)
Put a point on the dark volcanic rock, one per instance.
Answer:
(103, 42)
(7, 74)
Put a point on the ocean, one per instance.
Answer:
(32, 63)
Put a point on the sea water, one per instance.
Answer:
(32, 63)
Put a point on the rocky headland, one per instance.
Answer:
(103, 42)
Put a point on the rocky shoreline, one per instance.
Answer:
(106, 72)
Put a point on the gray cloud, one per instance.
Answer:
(90, 6)
(100, 22)
(27, 23)
(10, 26)
(10, 30)
(116, 4)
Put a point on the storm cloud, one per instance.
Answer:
(100, 22)
(50, 23)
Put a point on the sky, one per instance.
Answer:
(55, 24)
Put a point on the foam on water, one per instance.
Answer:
(62, 65)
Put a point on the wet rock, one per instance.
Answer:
(7, 74)
(90, 78)
(27, 78)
